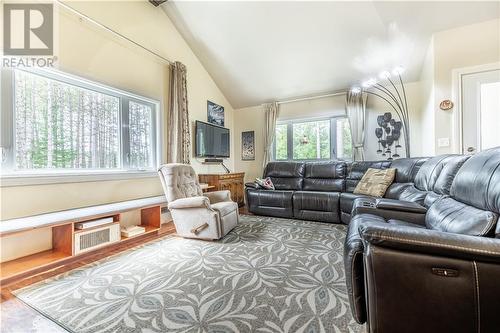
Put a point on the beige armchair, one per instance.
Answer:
(196, 214)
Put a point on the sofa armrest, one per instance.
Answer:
(400, 206)
(368, 205)
(218, 196)
(252, 185)
(192, 202)
(431, 242)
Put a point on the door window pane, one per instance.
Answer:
(311, 140)
(281, 143)
(490, 115)
(141, 135)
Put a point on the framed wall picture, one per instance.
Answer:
(215, 113)
(248, 146)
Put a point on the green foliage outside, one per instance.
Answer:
(317, 134)
(281, 144)
(58, 125)
(311, 140)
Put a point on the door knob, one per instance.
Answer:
(470, 149)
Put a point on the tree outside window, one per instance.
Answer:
(322, 139)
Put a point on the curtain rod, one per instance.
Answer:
(312, 97)
(97, 23)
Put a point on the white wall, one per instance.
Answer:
(466, 46)
(249, 119)
(91, 52)
(252, 119)
(313, 108)
(427, 119)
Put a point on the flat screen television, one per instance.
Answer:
(211, 140)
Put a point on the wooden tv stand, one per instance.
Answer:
(234, 182)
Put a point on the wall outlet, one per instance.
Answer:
(443, 142)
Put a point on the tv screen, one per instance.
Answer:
(211, 140)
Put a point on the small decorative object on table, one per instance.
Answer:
(248, 146)
(215, 113)
(387, 134)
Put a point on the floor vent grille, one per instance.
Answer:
(88, 240)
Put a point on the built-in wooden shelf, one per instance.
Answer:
(63, 229)
(77, 215)
(31, 262)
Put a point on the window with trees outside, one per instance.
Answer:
(314, 139)
(60, 123)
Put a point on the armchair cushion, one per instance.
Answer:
(225, 207)
(179, 181)
(192, 202)
(218, 196)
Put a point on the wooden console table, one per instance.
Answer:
(234, 182)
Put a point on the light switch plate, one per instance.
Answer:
(443, 142)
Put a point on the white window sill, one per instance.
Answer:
(45, 178)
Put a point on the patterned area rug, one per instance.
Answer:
(268, 275)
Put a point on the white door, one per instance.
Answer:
(480, 111)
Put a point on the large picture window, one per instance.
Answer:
(61, 123)
(313, 139)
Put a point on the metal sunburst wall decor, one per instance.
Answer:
(391, 89)
(388, 134)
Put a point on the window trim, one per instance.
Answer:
(290, 122)
(11, 177)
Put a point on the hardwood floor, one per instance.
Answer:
(17, 317)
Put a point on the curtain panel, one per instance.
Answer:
(271, 114)
(356, 113)
(179, 134)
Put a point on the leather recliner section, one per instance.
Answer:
(454, 257)
(316, 206)
(325, 177)
(286, 175)
(272, 203)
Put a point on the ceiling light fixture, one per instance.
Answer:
(384, 75)
(398, 70)
(368, 83)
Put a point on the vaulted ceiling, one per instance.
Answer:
(264, 51)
